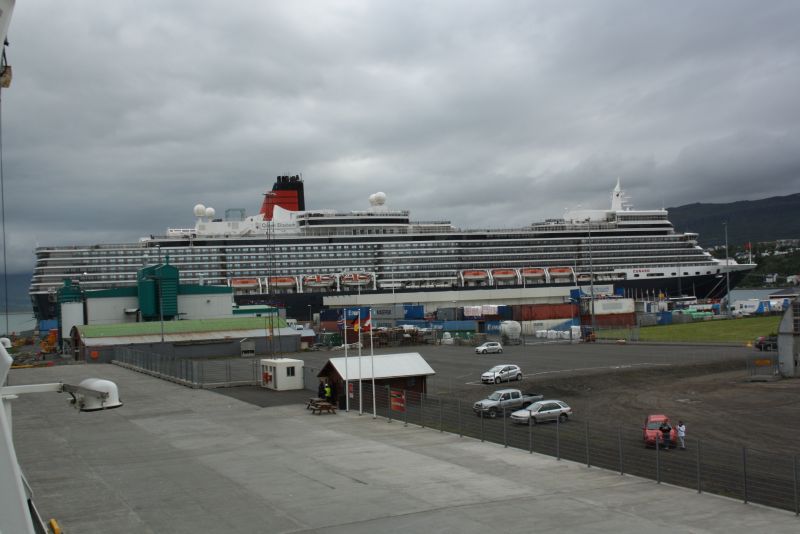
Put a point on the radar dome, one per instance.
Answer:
(210, 212)
(380, 198)
(199, 210)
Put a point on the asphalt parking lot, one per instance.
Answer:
(458, 367)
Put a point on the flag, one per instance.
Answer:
(364, 326)
(340, 322)
(748, 246)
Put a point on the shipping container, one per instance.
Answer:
(541, 312)
(616, 320)
(492, 328)
(529, 328)
(446, 314)
(331, 314)
(328, 326)
(460, 326)
(413, 311)
(505, 313)
(609, 306)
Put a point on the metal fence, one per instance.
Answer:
(763, 367)
(725, 469)
(192, 372)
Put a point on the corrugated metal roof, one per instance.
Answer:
(231, 335)
(178, 327)
(386, 366)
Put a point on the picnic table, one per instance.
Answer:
(313, 401)
(323, 406)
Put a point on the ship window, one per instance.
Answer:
(636, 276)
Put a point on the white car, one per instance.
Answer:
(541, 411)
(489, 346)
(502, 373)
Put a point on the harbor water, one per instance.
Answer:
(16, 322)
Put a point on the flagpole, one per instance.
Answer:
(372, 364)
(360, 396)
(346, 367)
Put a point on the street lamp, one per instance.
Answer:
(727, 272)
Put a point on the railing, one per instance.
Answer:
(191, 372)
(763, 367)
(742, 473)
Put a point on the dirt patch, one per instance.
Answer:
(715, 401)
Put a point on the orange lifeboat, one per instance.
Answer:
(244, 283)
(281, 281)
(532, 273)
(560, 274)
(356, 279)
(504, 274)
(318, 280)
(474, 276)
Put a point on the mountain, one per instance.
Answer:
(752, 221)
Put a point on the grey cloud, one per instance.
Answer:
(124, 115)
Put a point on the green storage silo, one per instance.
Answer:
(158, 292)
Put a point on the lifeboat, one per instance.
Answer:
(560, 274)
(281, 282)
(504, 275)
(356, 279)
(319, 280)
(583, 277)
(532, 272)
(244, 283)
(474, 276)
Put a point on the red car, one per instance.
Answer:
(651, 431)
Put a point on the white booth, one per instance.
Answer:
(281, 374)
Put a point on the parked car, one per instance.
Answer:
(651, 433)
(541, 411)
(503, 401)
(489, 346)
(766, 343)
(502, 373)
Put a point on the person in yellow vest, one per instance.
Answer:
(328, 392)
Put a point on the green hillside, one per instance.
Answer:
(752, 221)
(743, 331)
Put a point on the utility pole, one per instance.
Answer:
(727, 272)
(591, 276)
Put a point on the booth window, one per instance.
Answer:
(290, 371)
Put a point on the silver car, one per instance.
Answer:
(541, 411)
(502, 373)
(489, 346)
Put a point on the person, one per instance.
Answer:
(665, 431)
(682, 435)
(327, 392)
(321, 390)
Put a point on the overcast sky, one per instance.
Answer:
(123, 115)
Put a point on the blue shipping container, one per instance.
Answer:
(413, 311)
(460, 326)
(47, 325)
(493, 327)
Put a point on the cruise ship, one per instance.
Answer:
(287, 253)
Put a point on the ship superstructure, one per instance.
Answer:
(286, 249)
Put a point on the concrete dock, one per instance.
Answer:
(173, 460)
